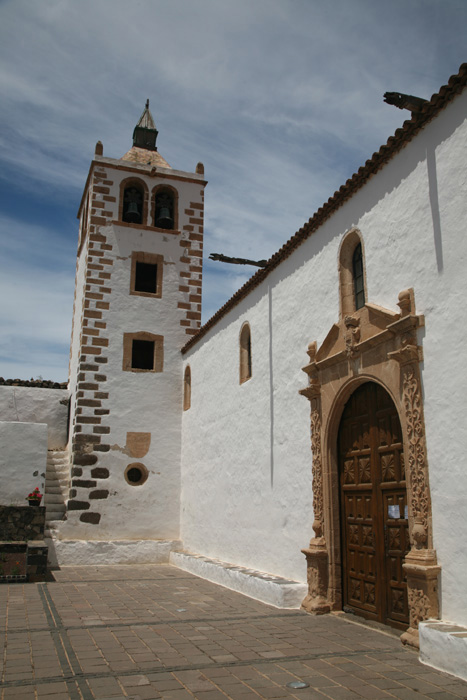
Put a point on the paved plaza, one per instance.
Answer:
(145, 632)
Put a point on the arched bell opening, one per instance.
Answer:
(133, 201)
(165, 214)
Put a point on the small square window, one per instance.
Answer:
(146, 277)
(142, 354)
(146, 274)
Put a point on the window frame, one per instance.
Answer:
(187, 388)
(158, 340)
(151, 259)
(347, 296)
(245, 363)
(358, 277)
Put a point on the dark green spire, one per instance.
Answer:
(145, 132)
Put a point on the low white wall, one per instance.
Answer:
(23, 459)
(269, 589)
(26, 404)
(444, 646)
(113, 553)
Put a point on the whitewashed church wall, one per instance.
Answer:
(246, 461)
(246, 448)
(24, 404)
(422, 226)
(23, 460)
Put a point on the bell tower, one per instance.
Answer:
(137, 300)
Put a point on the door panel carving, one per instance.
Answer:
(373, 507)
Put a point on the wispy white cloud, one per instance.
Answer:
(36, 288)
(281, 99)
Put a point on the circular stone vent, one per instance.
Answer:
(136, 474)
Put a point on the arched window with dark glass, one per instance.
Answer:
(133, 202)
(352, 277)
(164, 209)
(358, 277)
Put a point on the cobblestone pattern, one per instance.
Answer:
(157, 632)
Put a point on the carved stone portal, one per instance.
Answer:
(371, 344)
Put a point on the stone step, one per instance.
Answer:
(54, 511)
(58, 460)
(56, 499)
(61, 494)
(56, 516)
(58, 482)
(57, 493)
(57, 485)
(53, 498)
(53, 525)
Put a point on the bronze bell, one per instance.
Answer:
(132, 214)
(164, 220)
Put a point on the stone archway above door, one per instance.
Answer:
(371, 344)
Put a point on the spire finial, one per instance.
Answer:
(145, 133)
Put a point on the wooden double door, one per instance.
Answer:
(373, 507)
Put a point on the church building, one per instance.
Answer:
(305, 446)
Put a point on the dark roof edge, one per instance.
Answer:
(394, 144)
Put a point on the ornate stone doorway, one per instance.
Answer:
(373, 507)
(379, 346)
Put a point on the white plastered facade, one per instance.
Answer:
(246, 461)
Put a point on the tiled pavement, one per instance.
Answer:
(159, 632)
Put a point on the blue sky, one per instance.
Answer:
(282, 100)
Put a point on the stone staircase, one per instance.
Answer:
(57, 486)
